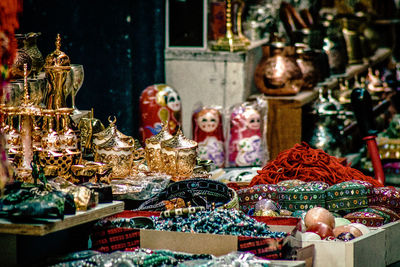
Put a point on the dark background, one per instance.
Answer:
(119, 43)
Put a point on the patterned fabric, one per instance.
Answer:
(368, 186)
(346, 196)
(388, 197)
(199, 192)
(393, 215)
(248, 197)
(366, 218)
(304, 197)
(181, 212)
(386, 217)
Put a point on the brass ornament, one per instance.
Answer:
(179, 156)
(88, 127)
(109, 132)
(153, 149)
(90, 171)
(57, 67)
(116, 149)
(231, 42)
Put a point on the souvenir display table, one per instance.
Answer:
(244, 152)
(25, 243)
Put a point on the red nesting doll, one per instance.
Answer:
(208, 133)
(245, 139)
(159, 103)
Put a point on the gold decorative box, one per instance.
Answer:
(179, 156)
(153, 149)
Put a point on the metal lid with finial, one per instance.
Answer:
(109, 132)
(161, 136)
(179, 141)
(57, 58)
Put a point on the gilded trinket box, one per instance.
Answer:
(178, 156)
(304, 197)
(346, 196)
(116, 149)
(248, 197)
(153, 149)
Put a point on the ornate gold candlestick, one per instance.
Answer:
(244, 39)
(26, 111)
(231, 42)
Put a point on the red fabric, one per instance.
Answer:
(267, 248)
(269, 220)
(307, 164)
(236, 186)
(9, 10)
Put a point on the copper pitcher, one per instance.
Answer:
(278, 72)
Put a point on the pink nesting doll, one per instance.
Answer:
(208, 133)
(245, 140)
(159, 103)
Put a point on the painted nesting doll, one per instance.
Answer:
(159, 103)
(208, 133)
(245, 142)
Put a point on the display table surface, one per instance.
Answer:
(29, 243)
(52, 225)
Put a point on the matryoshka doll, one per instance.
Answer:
(245, 141)
(159, 103)
(208, 133)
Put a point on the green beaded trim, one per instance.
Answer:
(301, 205)
(304, 194)
(345, 190)
(347, 203)
(386, 217)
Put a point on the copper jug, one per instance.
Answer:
(278, 72)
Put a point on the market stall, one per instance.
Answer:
(274, 141)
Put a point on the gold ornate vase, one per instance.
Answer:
(179, 156)
(116, 149)
(57, 67)
(153, 149)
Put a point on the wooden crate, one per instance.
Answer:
(364, 251)
(392, 242)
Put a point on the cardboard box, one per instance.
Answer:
(364, 251)
(108, 240)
